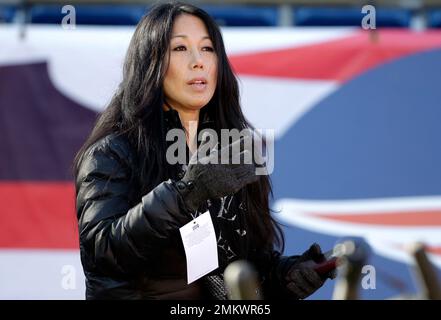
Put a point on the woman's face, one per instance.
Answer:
(190, 80)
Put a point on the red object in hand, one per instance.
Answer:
(326, 266)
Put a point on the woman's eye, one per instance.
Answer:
(183, 48)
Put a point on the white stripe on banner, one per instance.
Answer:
(288, 98)
(41, 275)
(390, 232)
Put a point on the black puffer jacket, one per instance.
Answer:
(128, 252)
(134, 251)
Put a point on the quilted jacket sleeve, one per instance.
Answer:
(114, 237)
(272, 267)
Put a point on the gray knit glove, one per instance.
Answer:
(297, 275)
(209, 177)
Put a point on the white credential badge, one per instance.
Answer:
(200, 245)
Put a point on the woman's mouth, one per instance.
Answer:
(198, 84)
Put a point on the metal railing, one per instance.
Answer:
(241, 279)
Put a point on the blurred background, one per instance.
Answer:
(352, 90)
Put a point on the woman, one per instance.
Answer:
(131, 201)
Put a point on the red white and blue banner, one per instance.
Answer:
(357, 152)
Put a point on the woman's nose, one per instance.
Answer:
(197, 62)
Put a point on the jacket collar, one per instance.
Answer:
(172, 120)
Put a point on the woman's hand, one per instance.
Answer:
(297, 274)
(209, 177)
(301, 278)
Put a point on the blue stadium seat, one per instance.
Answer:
(7, 13)
(335, 16)
(434, 18)
(131, 14)
(90, 14)
(243, 16)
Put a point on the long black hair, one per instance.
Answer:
(136, 110)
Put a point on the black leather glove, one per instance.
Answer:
(208, 178)
(297, 275)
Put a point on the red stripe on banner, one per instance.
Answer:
(434, 250)
(398, 219)
(338, 60)
(38, 215)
